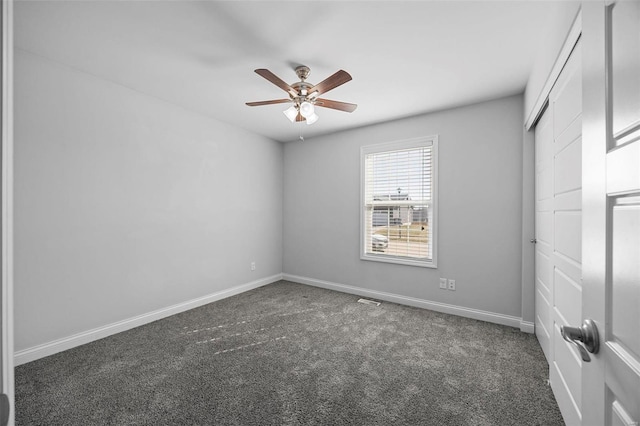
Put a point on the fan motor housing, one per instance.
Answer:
(302, 72)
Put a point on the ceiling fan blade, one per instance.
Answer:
(341, 106)
(275, 101)
(331, 82)
(276, 80)
(300, 118)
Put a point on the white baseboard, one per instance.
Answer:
(412, 301)
(527, 327)
(50, 348)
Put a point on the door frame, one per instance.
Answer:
(594, 208)
(6, 302)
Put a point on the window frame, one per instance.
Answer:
(403, 144)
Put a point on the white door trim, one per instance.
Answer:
(561, 60)
(7, 204)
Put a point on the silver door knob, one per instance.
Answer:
(584, 337)
(533, 241)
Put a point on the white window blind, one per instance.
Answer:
(398, 210)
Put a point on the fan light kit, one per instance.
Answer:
(304, 96)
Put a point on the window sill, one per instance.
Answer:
(399, 261)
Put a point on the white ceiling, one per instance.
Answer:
(406, 58)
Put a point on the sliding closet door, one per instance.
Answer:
(559, 234)
(544, 231)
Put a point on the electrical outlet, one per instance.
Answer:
(253, 266)
(452, 285)
(443, 283)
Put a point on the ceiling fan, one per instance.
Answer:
(305, 96)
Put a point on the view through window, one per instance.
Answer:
(399, 202)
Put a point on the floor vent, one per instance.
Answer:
(369, 302)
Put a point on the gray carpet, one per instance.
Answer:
(288, 354)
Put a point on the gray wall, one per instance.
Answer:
(480, 208)
(125, 204)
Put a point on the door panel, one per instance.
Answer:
(568, 168)
(625, 294)
(569, 368)
(543, 272)
(544, 232)
(545, 183)
(544, 227)
(621, 171)
(543, 321)
(566, 292)
(568, 228)
(611, 180)
(559, 234)
(568, 106)
(625, 63)
(570, 134)
(567, 200)
(564, 373)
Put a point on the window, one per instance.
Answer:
(399, 202)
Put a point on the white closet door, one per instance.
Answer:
(559, 234)
(544, 231)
